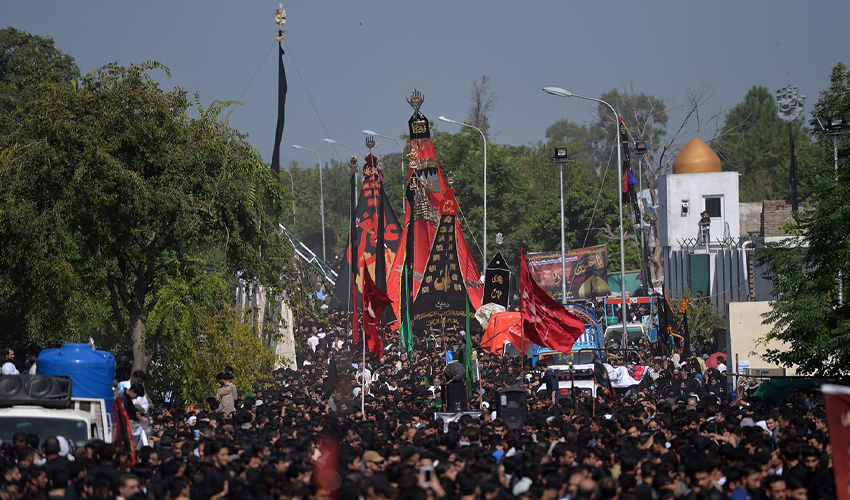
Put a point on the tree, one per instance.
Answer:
(646, 117)
(810, 271)
(483, 101)
(756, 145)
(198, 332)
(121, 191)
(701, 117)
(28, 64)
(704, 322)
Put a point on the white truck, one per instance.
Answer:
(580, 377)
(77, 419)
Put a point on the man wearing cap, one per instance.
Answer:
(138, 376)
(373, 463)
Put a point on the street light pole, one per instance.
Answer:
(321, 198)
(560, 156)
(641, 148)
(834, 128)
(484, 138)
(403, 172)
(556, 91)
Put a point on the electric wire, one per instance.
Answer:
(252, 79)
(598, 195)
(310, 97)
(471, 235)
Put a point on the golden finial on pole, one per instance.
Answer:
(280, 19)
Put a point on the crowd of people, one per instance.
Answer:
(314, 432)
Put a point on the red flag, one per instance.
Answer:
(544, 321)
(837, 401)
(326, 469)
(374, 302)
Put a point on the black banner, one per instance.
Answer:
(497, 280)
(418, 125)
(442, 295)
(282, 89)
(367, 221)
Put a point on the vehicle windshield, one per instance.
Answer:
(580, 391)
(615, 333)
(43, 427)
(577, 358)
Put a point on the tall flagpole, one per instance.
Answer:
(280, 19)
(363, 380)
(352, 238)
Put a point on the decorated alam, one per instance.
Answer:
(181, 320)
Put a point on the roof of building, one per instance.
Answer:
(696, 157)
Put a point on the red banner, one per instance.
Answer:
(374, 302)
(586, 272)
(837, 400)
(544, 321)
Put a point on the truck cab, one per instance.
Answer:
(580, 377)
(43, 405)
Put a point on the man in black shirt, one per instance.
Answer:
(214, 486)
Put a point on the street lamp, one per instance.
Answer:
(353, 152)
(331, 141)
(641, 148)
(834, 128)
(484, 138)
(403, 172)
(321, 197)
(559, 92)
(560, 156)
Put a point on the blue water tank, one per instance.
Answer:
(90, 370)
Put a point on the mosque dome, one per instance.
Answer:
(696, 157)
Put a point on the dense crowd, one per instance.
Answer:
(679, 435)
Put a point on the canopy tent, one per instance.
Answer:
(503, 327)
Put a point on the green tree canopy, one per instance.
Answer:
(114, 189)
(756, 144)
(811, 273)
(28, 64)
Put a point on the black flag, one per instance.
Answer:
(282, 88)
(497, 281)
(666, 324)
(686, 331)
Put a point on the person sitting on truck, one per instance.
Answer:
(553, 391)
(33, 351)
(138, 376)
(8, 357)
(135, 390)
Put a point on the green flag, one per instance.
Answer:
(405, 328)
(470, 364)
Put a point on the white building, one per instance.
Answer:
(714, 265)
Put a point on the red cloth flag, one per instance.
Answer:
(374, 302)
(544, 321)
(326, 479)
(837, 401)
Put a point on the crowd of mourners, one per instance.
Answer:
(679, 435)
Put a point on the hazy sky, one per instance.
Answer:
(360, 59)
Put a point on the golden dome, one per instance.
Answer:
(696, 157)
